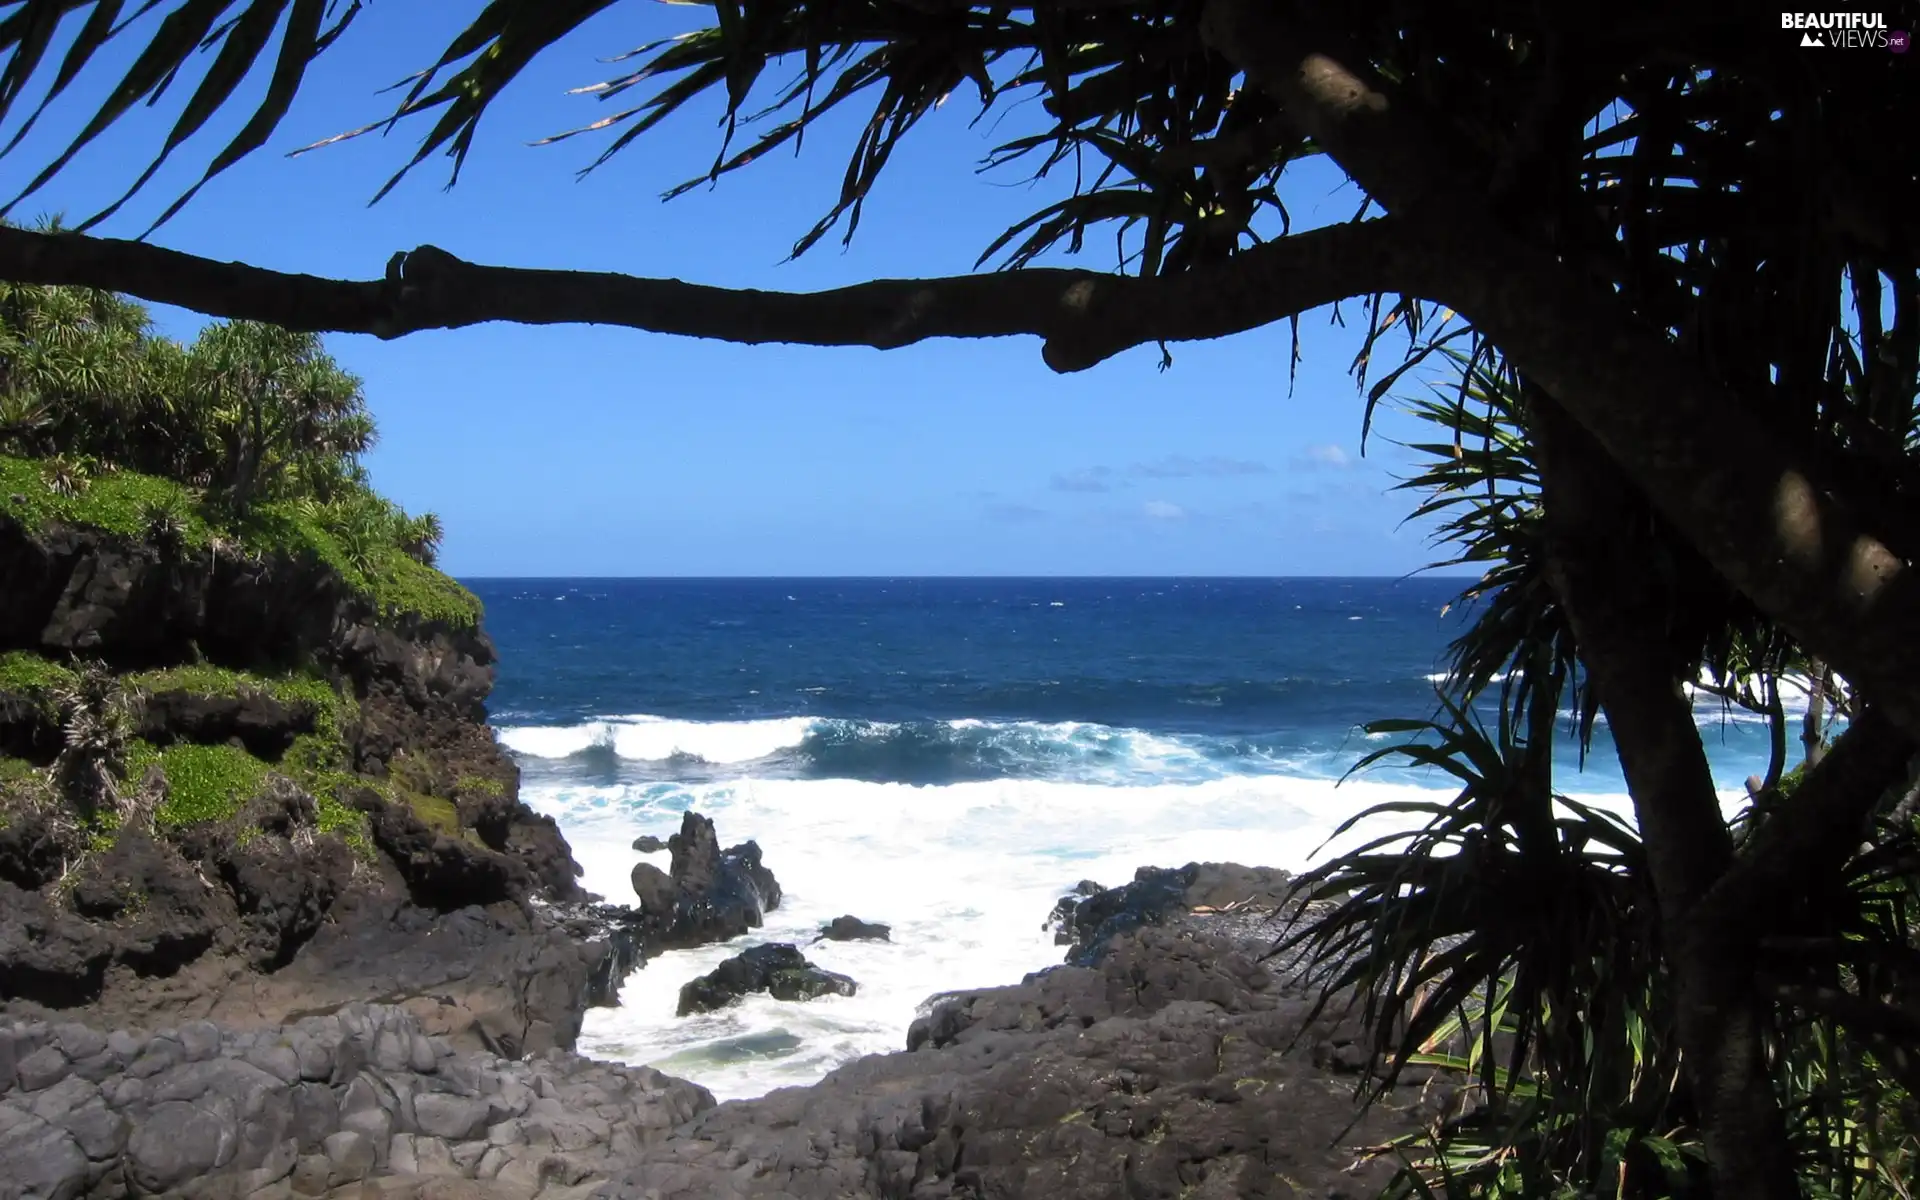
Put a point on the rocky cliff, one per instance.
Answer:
(235, 785)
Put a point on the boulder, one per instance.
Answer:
(1090, 918)
(853, 929)
(721, 893)
(1060, 920)
(777, 968)
(707, 895)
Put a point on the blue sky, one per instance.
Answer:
(583, 451)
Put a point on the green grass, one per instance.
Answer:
(332, 711)
(318, 763)
(338, 819)
(480, 785)
(122, 502)
(207, 783)
(21, 783)
(17, 771)
(126, 503)
(26, 674)
(397, 585)
(435, 813)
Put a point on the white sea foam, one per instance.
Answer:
(964, 873)
(656, 739)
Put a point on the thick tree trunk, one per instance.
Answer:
(1622, 614)
(1831, 572)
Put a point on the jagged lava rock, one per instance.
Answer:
(1090, 917)
(708, 894)
(1177, 1067)
(853, 929)
(360, 1099)
(259, 918)
(777, 968)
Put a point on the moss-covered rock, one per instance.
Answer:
(145, 508)
(206, 783)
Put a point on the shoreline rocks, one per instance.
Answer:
(1176, 1064)
(707, 894)
(1178, 1067)
(364, 1094)
(777, 968)
(1090, 917)
(853, 929)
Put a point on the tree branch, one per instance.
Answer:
(1752, 504)
(1084, 317)
(1811, 834)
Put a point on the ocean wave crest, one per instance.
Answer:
(660, 739)
(937, 752)
(940, 752)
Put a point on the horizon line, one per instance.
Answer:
(741, 578)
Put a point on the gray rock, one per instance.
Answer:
(125, 1044)
(177, 1143)
(77, 1041)
(278, 1059)
(362, 1112)
(656, 892)
(10, 1054)
(100, 1132)
(316, 1115)
(423, 1056)
(349, 1155)
(412, 1154)
(312, 1175)
(316, 1056)
(392, 1050)
(853, 929)
(200, 1040)
(453, 1118)
(43, 1068)
(161, 1053)
(38, 1159)
(97, 1067)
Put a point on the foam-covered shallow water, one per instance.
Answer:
(950, 756)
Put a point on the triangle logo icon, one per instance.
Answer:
(1812, 39)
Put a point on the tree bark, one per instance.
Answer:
(1086, 317)
(1621, 613)
(1813, 729)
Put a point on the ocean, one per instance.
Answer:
(949, 756)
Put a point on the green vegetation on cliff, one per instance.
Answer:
(247, 440)
(31, 677)
(206, 783)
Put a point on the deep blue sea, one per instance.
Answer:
(950, 755)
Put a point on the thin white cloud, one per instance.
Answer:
(1328, 455)
(1161, 510)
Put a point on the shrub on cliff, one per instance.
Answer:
(250, 433)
